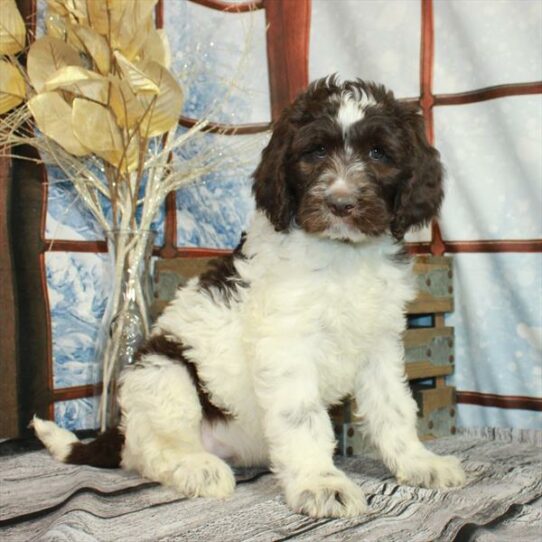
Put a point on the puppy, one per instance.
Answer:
(243, 365)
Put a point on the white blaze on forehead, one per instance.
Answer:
(352, 109)
(350, 112)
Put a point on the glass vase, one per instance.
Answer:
(126, 321)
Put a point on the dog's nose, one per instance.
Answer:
(341, 205)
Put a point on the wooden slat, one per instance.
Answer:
(427, 99)
(489, 93)
(76, 392)
(287, 50)
(432, 399)
(229, 7)
(202, 252)
(495, 246)
(425, 366)
(427, 305)
(9, 420)
(499, 401)
(227, 129)
(424, 369)
(185, 267)
(419, 336)
(427, 50)
(33, 318)
(61, 245)
(169, 250)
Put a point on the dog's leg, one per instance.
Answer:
(301, 439)
(161, 421)
(388, 414)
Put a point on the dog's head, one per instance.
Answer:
(348, 161)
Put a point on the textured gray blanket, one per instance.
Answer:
(502, 501)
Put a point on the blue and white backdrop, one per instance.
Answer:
(492, 151)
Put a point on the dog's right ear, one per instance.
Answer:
(270, 187)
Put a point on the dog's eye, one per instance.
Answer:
(318, 152)
(377, 154)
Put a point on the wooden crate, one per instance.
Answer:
(170, 274)
(429, 352)
(436, 410)
(435, 285)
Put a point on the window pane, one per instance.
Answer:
(214, 210)
(220, 58)
(78, 289)
(498, 323)
(479, 43)
(69, 218)
(491, 151)
(77, 413)
(375, 40)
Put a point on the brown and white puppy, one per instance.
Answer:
(243, 365)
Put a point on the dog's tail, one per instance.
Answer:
(105, 451)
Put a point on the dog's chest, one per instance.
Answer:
(350, 301)
(357, 313)
(339, 308)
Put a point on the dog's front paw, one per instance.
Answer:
(324, 495)
(431, 471)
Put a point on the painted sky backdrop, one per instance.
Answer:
(491, 151)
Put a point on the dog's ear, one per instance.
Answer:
(420, 195)
(270, 187)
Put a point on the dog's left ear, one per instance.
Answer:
(270, 187)
(420, 195)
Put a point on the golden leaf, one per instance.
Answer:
(131, 43)
(99, 17)
(124, 103)
(95, 45)
(156, 48)
(12, 87)
(95, 127)
(74, 10)
(12, 28)
(56, 26)
(79, 81)
(120, 18)
(164, 109)
(130, 22)
(70, 75)
(46, 56)
(54, 118)
(138, 80)
(57, 6)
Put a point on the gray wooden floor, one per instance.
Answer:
(47, 501)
